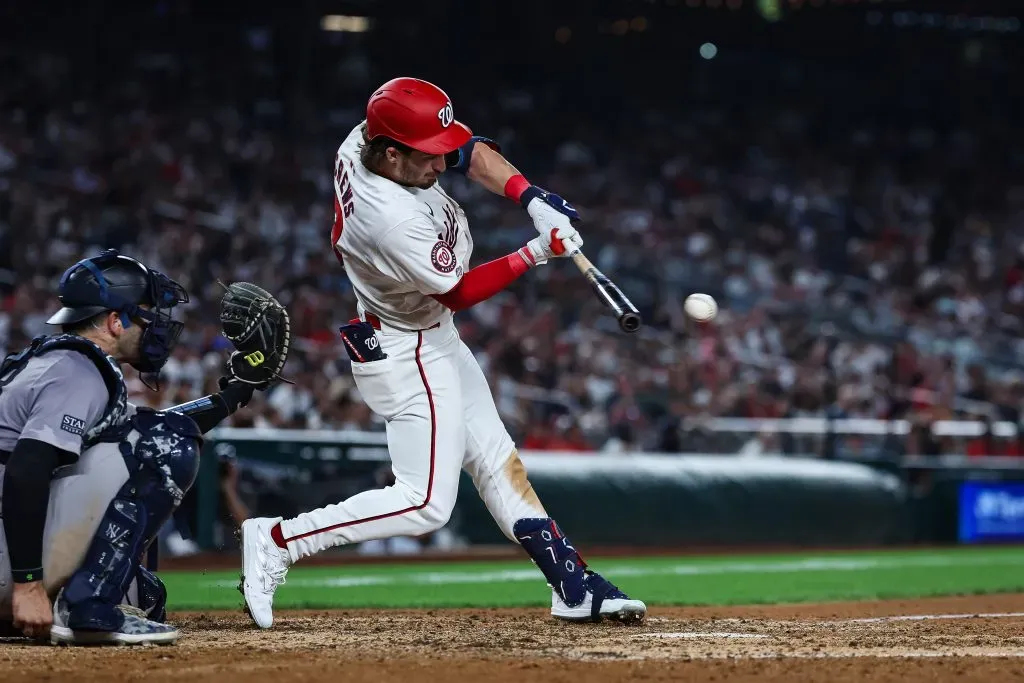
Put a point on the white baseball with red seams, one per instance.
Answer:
(701, 307)
(398, 246)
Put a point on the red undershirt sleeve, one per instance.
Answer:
(483, 282)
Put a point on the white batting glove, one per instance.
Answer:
(558, 243)
(549, 211)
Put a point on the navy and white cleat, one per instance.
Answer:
(135, 629)
(603, 600)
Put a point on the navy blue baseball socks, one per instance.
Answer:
(578, 593)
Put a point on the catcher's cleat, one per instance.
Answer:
(135, 628)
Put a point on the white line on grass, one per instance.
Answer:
(530, 573)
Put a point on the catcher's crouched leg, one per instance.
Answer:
(162, 455)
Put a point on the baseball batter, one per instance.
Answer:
(406, 246)
(86, 478)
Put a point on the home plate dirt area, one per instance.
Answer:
(962, 639)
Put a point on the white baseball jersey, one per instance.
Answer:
(398, 244)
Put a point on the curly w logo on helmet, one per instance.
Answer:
(446, 115)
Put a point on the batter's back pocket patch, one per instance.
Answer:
(73, 424)
(361, 343)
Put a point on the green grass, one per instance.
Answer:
(744, 579)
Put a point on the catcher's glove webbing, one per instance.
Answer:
(258, 326)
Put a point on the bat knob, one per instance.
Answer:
(630, 322)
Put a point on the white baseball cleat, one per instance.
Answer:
(264, 566)
(603, 601)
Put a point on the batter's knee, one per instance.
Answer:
(433, 507)
(433, 504)
(436, 514)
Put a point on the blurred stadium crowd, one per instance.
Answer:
(863, 231)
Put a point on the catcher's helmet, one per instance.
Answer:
(416, 113)
(113, 282)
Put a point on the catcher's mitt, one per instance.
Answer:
(258, 326)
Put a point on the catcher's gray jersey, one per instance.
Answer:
(56, 398)
(79, 496)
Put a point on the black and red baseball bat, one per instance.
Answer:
(609, 293)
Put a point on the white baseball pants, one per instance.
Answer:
(441, 418)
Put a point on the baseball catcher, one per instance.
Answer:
(88, 478)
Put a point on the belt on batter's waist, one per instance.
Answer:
(374, 322)
(370, 318)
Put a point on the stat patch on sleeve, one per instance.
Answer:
(443, 258)
(73, 425)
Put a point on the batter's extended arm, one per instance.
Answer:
(481, 161)
(485, 165)
(489, 168)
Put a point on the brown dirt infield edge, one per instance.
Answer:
(783, 643)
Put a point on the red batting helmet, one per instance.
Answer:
(415, 113)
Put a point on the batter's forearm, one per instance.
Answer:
(489, 168)
(484, 281)
(26, 496)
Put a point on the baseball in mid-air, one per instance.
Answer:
(701, 307)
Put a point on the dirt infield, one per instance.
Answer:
(905, 641)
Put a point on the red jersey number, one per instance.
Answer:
(343, 206)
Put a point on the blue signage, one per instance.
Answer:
(991, 511)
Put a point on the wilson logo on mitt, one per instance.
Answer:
(255, 358)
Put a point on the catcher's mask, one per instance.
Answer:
(113, 282)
